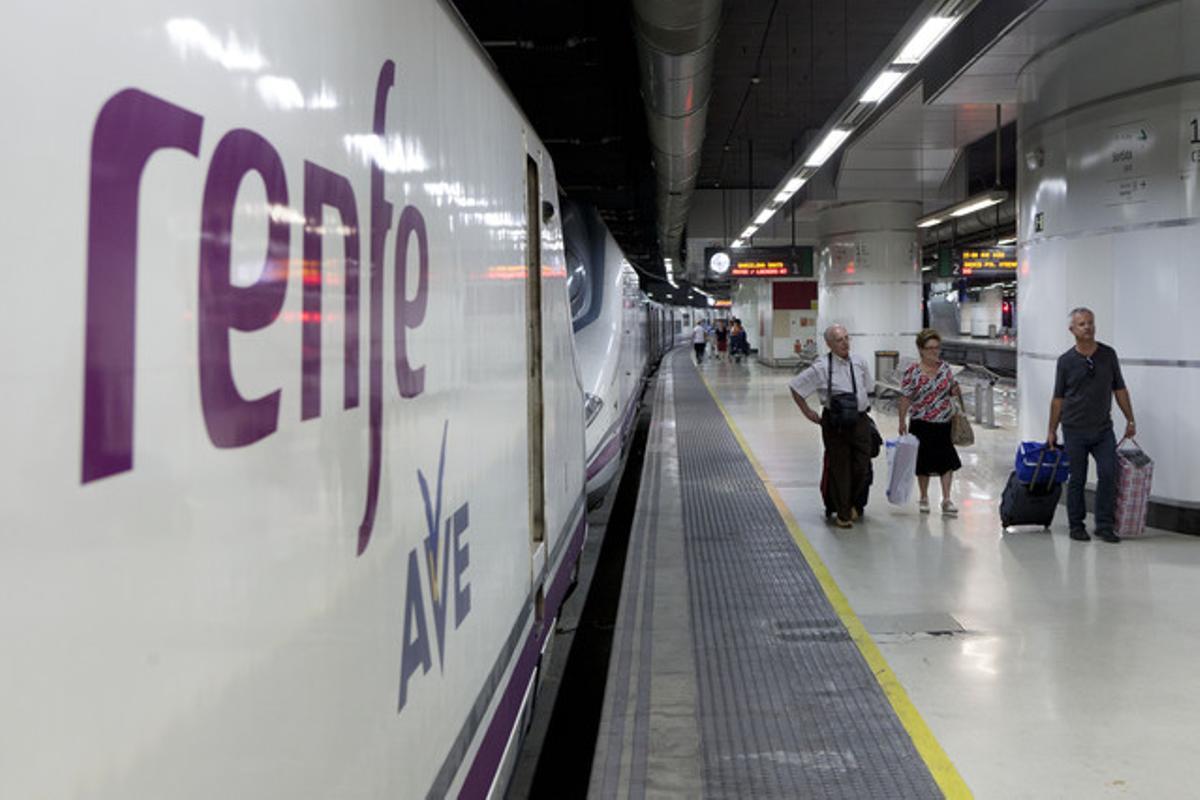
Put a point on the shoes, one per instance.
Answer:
(923, 505)
(1080, 535)
(949, 509)
(853, 514)
(1108, 536)
(843, 523)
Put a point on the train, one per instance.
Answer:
(308, 382)
(620, 336)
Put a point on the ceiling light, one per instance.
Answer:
(925, 39)
(766, 214)
(738, 243)
(968, 206)
(978, 204)
(882, 86)
(793, 185)
(750, 231)
(1006, 242)
(832, 141)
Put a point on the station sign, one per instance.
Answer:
(759, 262)
(987, 260)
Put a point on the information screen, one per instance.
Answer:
(759, 262)
(992, 260)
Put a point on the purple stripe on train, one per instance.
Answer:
(491, 750)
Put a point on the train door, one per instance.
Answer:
(533, 346)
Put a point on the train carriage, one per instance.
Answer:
(295, 424)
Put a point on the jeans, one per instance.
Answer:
(1102, 446)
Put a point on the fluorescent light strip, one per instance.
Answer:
(882, 86)
(832, 141)
(738, 243)
(986, 202)
(793, 186)
(750, 231)
(929, 223)
(766, 215)
(925, 39)
(783, 197)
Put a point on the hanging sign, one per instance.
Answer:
(759, 262)
(987, 260)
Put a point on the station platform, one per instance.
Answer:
(762, 652)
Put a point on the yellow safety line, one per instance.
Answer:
(940, 765)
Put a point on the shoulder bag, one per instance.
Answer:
(961, 434)
(843, 406)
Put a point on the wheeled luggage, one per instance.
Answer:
(1033, 501)
(1020, 505)
(1135, 470)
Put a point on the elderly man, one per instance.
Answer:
(841, 381)
(1087, 377)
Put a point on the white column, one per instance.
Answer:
(1108, 199)
(869, 274)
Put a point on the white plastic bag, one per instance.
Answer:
(902, 468)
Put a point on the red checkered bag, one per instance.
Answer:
(1135, 470)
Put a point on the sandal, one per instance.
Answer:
(923, 505)
(949, 509)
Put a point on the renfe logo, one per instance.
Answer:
(130, 128)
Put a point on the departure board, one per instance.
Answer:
(988, 260)
(759, 262)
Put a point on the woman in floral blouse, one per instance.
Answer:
(927, 388)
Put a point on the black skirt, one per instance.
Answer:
(936, 455)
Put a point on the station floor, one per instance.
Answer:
(1041, 666)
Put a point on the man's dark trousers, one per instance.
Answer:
(1102, 446)
(849, 451)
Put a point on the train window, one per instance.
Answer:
(579, 285)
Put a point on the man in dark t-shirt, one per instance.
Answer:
(1087, 377)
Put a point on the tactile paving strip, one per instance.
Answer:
(788, 707)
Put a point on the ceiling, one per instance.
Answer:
(807, 55)
(573, 68)
(781, 69)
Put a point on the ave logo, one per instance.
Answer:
(443, 545)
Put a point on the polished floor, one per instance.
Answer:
(1045, 667)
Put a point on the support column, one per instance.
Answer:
(869, 271)
(1109, 218)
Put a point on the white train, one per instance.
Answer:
(619, 336)
(293, 419)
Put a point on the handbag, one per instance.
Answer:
(961, 434)
(843, 406)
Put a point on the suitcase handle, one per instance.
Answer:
(1038, 468)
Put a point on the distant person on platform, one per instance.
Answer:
(722, 338)
(738, 344)
(1087, 378)
(841, 381)
(699, 340)
(927, 394)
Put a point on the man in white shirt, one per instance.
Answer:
(845, 429)
(699, 339)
